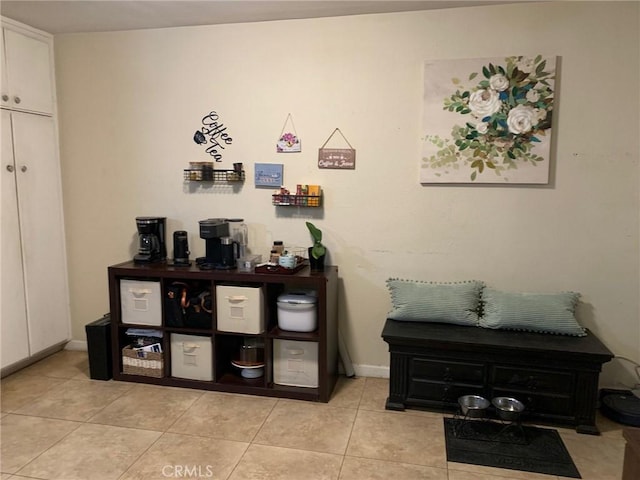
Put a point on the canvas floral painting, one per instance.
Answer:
(488, 120)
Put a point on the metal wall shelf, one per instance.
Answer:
(285, 200)
(213, 176)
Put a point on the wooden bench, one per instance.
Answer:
(555, 376)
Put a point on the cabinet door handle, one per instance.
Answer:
(23, 168)
(5, 97)
(17, 99)
(10, 168)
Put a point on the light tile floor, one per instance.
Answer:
(58, 424)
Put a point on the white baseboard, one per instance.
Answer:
(76, 345)
(376, 371)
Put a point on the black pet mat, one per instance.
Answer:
(530, 449)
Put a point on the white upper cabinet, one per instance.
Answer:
(27, 72)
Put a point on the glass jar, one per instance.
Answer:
(278, 246)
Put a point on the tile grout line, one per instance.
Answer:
(250, 442)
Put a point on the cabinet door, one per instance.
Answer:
(29, 73)
(42, 229)
(13, 317)
(4, 87)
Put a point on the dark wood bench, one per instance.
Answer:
(555, 376)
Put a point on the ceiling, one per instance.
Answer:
(76, 16)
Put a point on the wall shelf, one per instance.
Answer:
(284, 200)
(213, 176)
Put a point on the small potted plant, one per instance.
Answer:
(318, 251)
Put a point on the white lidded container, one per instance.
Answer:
(141, 302)
(191, 357)
(297, 312)
(295, 363)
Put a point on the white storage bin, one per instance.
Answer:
(240, 309)
(141, 302)
(295, 363)
(297, 312)
(191, 357)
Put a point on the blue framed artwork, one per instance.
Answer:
(268, 175)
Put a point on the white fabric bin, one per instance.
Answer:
(295, 363)
(191, 357)
(240, 309)
(141, 302)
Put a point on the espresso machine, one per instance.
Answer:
(151, 240)
(221, 251)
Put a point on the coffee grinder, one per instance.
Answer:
(151, 240)
(181, 249)
(220, 249)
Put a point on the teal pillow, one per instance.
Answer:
(533, 312)
(418, 301)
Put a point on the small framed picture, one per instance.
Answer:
(268, 175)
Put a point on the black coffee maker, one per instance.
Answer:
(220, 249)
(151, 240)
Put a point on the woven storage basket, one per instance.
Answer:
(137, 362)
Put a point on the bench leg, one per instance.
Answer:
(397, 382)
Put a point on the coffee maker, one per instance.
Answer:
(151, 240)
(220, 249)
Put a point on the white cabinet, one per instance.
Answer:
(15, 341)
(34, 299)
(27, 72)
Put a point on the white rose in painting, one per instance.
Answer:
(521, 119)
(499, 82)
(526, 65)
(484, 103)
(482, 127)
(533, 96)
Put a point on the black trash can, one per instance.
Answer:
(99, 346)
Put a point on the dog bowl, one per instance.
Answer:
(473, 405)
(508, 408)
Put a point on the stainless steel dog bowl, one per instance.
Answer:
(473, 405)
(508, 408)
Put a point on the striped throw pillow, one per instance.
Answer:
(419, 301)
(532, 312)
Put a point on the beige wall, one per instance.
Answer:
(130, 102)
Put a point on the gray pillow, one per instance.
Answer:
(418, 301)
(533, 312)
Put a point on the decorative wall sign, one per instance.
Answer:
(268, 175)
(488, 120)
(337, 158)
(214, 135)
(288, 141)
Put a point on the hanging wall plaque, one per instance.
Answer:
(338, 158)
(288, 141)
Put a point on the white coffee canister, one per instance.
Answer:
(297, 312)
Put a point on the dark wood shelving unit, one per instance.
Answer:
(225, 377)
